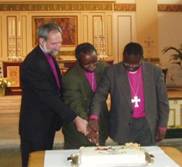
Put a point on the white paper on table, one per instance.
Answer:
(58, 158)
(161, 159)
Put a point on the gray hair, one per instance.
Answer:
(44, 30)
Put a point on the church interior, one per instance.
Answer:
(109, 25)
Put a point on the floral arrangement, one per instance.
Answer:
(4, 82)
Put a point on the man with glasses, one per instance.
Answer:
(139, 103)
(79, 86)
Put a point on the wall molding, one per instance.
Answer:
(124, 7)
(81, 6)
(170, 8)
(58, 6)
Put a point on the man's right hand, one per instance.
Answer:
(93, 131)
(81, 125)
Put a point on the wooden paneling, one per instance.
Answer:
(109, 34)
(124, 33)
(147, 26)
(85, 28)
(10, 104)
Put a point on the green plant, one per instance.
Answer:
(176, 57)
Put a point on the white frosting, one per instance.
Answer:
(111, 156)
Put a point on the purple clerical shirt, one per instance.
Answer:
(137, 93)
(91, 80)
(53, 68)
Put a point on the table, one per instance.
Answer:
(37, 158)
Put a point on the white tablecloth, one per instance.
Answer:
(58, 158)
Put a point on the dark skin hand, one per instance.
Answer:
(93, 131)
(160, 135)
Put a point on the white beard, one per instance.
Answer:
(51, 52)
(54, 53)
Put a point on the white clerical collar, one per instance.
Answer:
(43, 50)
(134, 72)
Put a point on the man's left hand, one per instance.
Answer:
(81, 125)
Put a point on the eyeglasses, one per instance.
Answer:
(132, 65)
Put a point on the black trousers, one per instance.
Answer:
(29, 145)
(140, 132)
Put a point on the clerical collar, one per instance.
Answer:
(43, 50)
(134, 72)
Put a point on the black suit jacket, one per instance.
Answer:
(42, 109)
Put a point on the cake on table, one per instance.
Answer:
(126, 155)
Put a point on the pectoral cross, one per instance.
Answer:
(135, 100)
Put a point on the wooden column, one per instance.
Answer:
(147, 26)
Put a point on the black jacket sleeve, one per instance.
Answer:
(35, 77)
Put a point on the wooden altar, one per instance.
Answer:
(11, 70)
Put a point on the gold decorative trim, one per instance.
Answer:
(81, 6)
(124, 7)
(57, 6)
(169, 8)
(67, 6)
